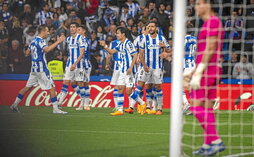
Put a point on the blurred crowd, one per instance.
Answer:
(20, 18)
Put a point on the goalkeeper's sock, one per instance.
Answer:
(115, 95)
(199, 113)
(206, 146)
(218, 141)
(210, 124)
(18, 99)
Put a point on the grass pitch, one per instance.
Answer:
(37, 132)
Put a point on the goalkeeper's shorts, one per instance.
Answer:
(207, 90)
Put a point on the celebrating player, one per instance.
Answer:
(189, 64)
(205, 77)
(39, 71)
(126, 78)
(85, 90)
(116, 71)
(151, 49)
(74, 70)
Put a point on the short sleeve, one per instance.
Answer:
(135, 42)
(82, 43)
(142, 44)
(130, 47)
(42, 44)
(213, 26)
(165, 42)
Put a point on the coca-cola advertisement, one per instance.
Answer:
(229, 97)
(101, 95)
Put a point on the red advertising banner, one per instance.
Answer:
(229, 97)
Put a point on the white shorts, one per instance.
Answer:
(126, 80)
(44, 80)
(87, 74)
(115, 77)
(154, 76)
(75, 75)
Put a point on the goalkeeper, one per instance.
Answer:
(202, 81)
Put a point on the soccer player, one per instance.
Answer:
(189, 64)
(204, 78)
(136, 43)
(85, 97)
(126, 78)
(151, 48)
(74, 70)
(116, 70)
(39, 71)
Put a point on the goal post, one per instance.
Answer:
(177, 75)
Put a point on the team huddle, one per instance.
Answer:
(138, 64)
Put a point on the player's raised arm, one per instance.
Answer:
(27, 51)
(105, 46)
(51, 47)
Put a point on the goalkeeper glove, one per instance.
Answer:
(196, 78)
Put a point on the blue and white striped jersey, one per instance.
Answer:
(42, 16)
(116, 56)
(153, 50)
(133, 9)
(86, 60)
(138, 40)
(74, 46)
(39, 62)
(126, 51)
(190, 51)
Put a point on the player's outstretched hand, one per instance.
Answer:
(164, 55)
(102, 43)
(162, 45)
(61, 38)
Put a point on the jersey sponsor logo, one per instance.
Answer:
(74, 46)
(153, 46)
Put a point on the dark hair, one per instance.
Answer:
(122, 30)
(83, 27)
(74, 23)
(213, 4)
(125, 6)
(41, 28)
(156, 24)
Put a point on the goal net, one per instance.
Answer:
(234, 103)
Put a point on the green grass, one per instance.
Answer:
(37, 132)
